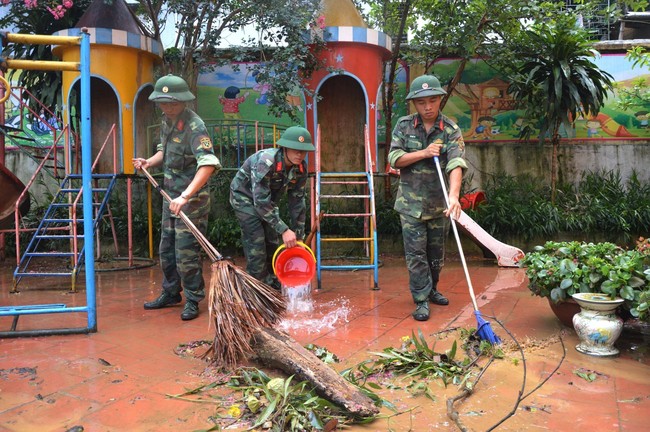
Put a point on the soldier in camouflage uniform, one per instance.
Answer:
(416, 139)
(187, 157)
(255, 192)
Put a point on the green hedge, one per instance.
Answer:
(601, 204)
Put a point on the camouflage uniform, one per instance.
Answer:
(255, 192)
(420, 201)
(186, 147)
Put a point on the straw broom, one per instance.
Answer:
(239, 304)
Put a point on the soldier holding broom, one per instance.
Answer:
(417, 139)
(188, 160)
(255, 193)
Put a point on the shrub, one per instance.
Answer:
(601, 204)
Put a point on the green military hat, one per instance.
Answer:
(297, 138)
(425, 86)
(171, 88)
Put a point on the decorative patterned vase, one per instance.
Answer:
(597, 324)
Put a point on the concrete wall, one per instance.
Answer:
(515, 158)
(24, 167)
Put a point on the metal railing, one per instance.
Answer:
(233, 140)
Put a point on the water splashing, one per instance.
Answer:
(303, 315)
(298, 298)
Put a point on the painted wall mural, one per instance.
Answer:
(484, 110)
(400, 105)
(236, 92)
(481, 105)
(37, 129)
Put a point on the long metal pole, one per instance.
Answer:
(86, 180)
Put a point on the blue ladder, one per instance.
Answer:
(56, 227)
(358, 187)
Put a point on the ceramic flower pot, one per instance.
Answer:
(597, 324)
(565, 310)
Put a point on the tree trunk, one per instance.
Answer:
(277, 350)
(389, 91)
(554, 162)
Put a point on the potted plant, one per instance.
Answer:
(557, 270)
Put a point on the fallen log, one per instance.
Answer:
(278, 350)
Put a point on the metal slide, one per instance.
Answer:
(11, 188)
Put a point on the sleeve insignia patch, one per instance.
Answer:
(206, 143)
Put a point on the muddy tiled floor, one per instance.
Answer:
(118, 378)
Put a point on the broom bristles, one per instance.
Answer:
(484, 330)
(239, 305)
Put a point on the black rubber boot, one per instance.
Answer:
(434, 296)
(163, 300)
(190, 311)
(421, 312)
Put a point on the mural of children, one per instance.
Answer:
(593, 128)
(230, 102)
(604, 123)
(40, 125)
(642, 117)
(262, 88)
(519, 123)
(484, 128)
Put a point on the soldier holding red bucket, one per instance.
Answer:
(255, 193)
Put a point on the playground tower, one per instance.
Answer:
(348, 100)
(122, 60)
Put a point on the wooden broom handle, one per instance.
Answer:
(212, 252)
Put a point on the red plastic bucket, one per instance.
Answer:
(472, 200)
(294, 266)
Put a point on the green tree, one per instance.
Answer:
(463, 29)
(558, 81)
(394, 18)
(489, 30)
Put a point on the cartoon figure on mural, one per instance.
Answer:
(519, 123)
(230, 102)
(593, 128)
(261, 87)
(492, 94)
(608, 126)
(642, 117)
(44, 123)
(484, 128)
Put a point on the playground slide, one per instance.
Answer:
(506, 255)
(11, 188)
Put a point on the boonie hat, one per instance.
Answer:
(297, 138)
(171, 88)
(424, 86)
